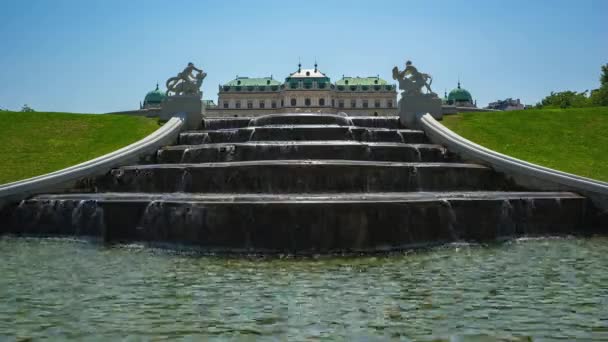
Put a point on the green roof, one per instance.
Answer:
(155, 96)
(361, 81)
(460, 94)
(256, 82)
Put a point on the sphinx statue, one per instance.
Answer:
(185, 83)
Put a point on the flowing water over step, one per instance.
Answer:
(303, 132)
(274, 150)
(304, 223)
(300, 184)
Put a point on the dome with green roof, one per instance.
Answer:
(154, 98)
(460, 95)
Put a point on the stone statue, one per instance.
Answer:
(414, 102)
(185, 83)
(416, 81)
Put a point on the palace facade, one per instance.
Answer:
(305, 91)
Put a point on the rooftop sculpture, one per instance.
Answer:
(185, 83)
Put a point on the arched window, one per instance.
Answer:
(293, 102)
(307, 102)
(321, 102)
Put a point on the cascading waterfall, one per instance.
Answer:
(506, 225)
(418, 153)
(185, 156)
(451, 219)
(153, 218)
(403, 140)
(185, 181)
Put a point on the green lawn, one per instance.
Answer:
(571, 140)
(35, 143)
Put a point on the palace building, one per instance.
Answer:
(305, 91)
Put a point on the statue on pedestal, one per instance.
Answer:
(185, 83)
(416, 81)
(414, 102)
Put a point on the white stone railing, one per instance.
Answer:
(66, 178)
(521, 172)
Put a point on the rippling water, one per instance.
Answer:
(528, 289)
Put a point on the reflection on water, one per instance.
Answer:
(528, 289)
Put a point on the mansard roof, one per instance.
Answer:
(256, 82)
(361, 81)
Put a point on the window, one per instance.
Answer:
(333, 102)
(262, 104)
(307, 102)
(237, 105)
(353, 103)
(341, 103)
(365, 104)
(225, 104)
(273, 104)
(377, 103)
(389, 104)
(353, 88)
(282, 103)
(293, 102)
(249, 104)
(321, 102)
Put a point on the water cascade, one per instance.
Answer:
(301, 184)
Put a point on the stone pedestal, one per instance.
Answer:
(191, 105)
(413, 106)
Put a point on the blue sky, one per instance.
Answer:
(101, 56)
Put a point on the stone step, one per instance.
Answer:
(302, 119)
(294, 176)
(301, 223)
(274, 150)
(303, 132)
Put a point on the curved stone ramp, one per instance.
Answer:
(64, 179)
(361, 121)
(275, 150)
(302, 132)
(302, 223)
(294, 176)
(524, 173)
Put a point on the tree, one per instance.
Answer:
(604, 76)
(27, 108)
(565, 99)
(599, 97)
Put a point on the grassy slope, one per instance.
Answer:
(32, 144)
(571, 140)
